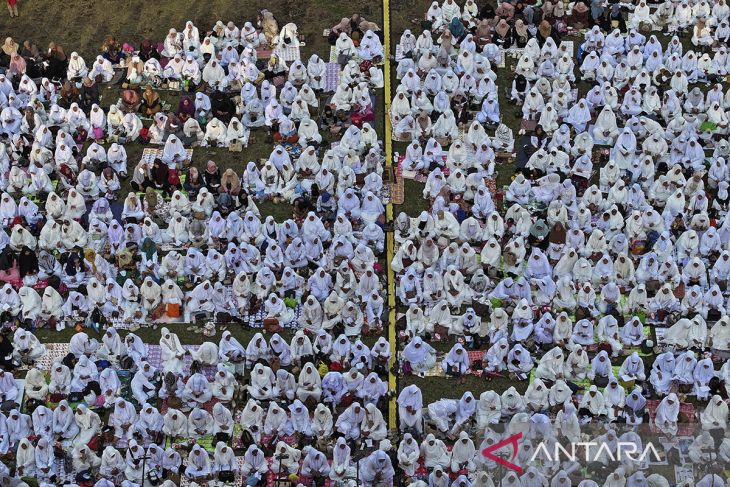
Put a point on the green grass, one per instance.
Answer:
(435, 388)
(82, 25)
(187, 337)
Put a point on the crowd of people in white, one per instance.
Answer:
(598, 274)
(187, 245)
(596, 279)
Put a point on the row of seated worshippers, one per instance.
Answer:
(618, 58)
(187, 54)
(496, 417)
(288, 114)
(100, 172)
(298, 418)
(604, 297)
(137, 270)
(215, 120)
(453, 416)
(706, 21)
(684, 370)
(223, 62)
(627, 89)
(433, 100)
(100, 388)
(229, 63)
(541, 404)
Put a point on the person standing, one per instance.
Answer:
(13, 8)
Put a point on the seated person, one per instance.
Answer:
(150, 103)
(131, 101)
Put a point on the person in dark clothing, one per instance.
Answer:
(29, 50)
(89, 93)
(148, 51)
(486, 12)
(502, 35)
(6, 352)
(520, 34)
(546, 30)
(27, 262)
(212, 177)
(222, 107)
(111, 50)
(615, 19)
(460, 107)
(301, 206)
(193, 183)
(160, 177)
(57, 62)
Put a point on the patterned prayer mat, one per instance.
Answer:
(151, 153)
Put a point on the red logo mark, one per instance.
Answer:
(513, 440)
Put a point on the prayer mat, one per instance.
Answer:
(475, 355)
(207, 442)
(288, 53)
(150, 154)
(120, 324)
(397, 187)
(528, 125)
(405, 140)
(491, 184)
(257, 320)
(294, 150)
(155, 359)
(263, 52)
(399, 52)
(332, 76)
(569, 46)
(265, 439)
(686, 424)
(153, 356)
(208, 406)
(64, 476)
(333, 54)
(513, 52)
(414, 175)
(436, 370)
(54, 351)
(238, 481)
(504, 157)
(684, 475)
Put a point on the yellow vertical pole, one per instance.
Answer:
(390, 241)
